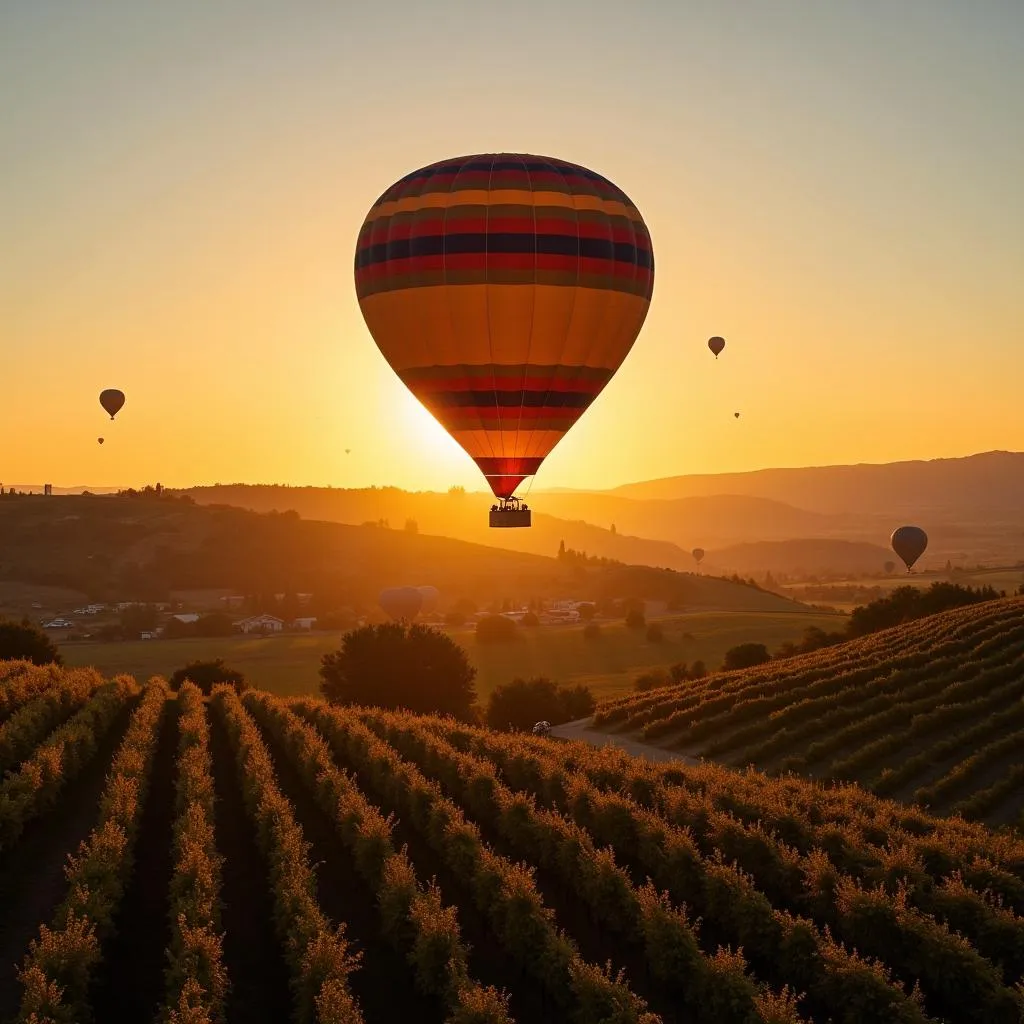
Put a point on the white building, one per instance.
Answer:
(303, 622)
(187, 617)
(260, 624)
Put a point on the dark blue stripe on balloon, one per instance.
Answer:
(481, 242)
(509, 399)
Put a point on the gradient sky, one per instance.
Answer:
(836, 187)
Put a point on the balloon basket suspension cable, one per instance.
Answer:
(509, 513)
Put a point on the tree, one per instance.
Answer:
(398, 665)
(206, 674)
(530, 619)
(635, 619)
(745, 656)
(215, 624)
(655, 634)
(139, 618)
(496, 629)
(524, 702)
(698, 670)
(655, 679)
(22, 640)
(411, 526)
(175, 629)
(586, 610)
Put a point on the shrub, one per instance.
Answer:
(206, 675)
(653, 680)
(496, 629)
(398, 665)
(587, 610)
(592, 631)
(746, 656)
(22, 640)
(635, 619)
(523, 702)
(530, 619)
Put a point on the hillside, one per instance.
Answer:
(986, 482)
(464, 517)
(143, 548)
(483, 878)
(930, 712)
(800, 558)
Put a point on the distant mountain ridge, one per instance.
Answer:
(974, 483)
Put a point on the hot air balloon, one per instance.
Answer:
(909, 543)
(112, 400)
(736, 414)
(401, 602)
(100, 440)
(716, 344)
(505, 290)
(430, 595)
(698, 555)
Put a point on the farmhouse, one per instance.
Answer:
(260, 624)
(186, 617)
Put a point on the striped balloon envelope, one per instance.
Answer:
(505, 290)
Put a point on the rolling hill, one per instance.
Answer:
(983, 483)
(144, 548)
(356, 866)
(801, 557)
(930, 712)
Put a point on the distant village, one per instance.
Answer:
(166, 620)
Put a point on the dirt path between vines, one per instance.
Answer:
(581, 729)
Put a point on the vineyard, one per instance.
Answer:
(169, 858)
(930, 713)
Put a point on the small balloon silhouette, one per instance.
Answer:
(100, 439)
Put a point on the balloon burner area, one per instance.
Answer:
(510, 513)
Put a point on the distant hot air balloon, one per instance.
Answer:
(736, 414)
(347, 450)
(698, 555)
(505, 290)
(100, 439)
(716, 344)
(430, 595)
(889, 567)
(112, 400)
(401, 602)
(909, 543)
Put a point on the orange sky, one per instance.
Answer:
(836, 192)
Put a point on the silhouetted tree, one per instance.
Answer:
(524, 702)
(745, 656)
(397, 665)
(206, 674)
(635, 619)
(141, 618)
(22, 640)
(496, 629)
(655, 679)
(215, 624)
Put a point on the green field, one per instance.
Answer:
(289, 664)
